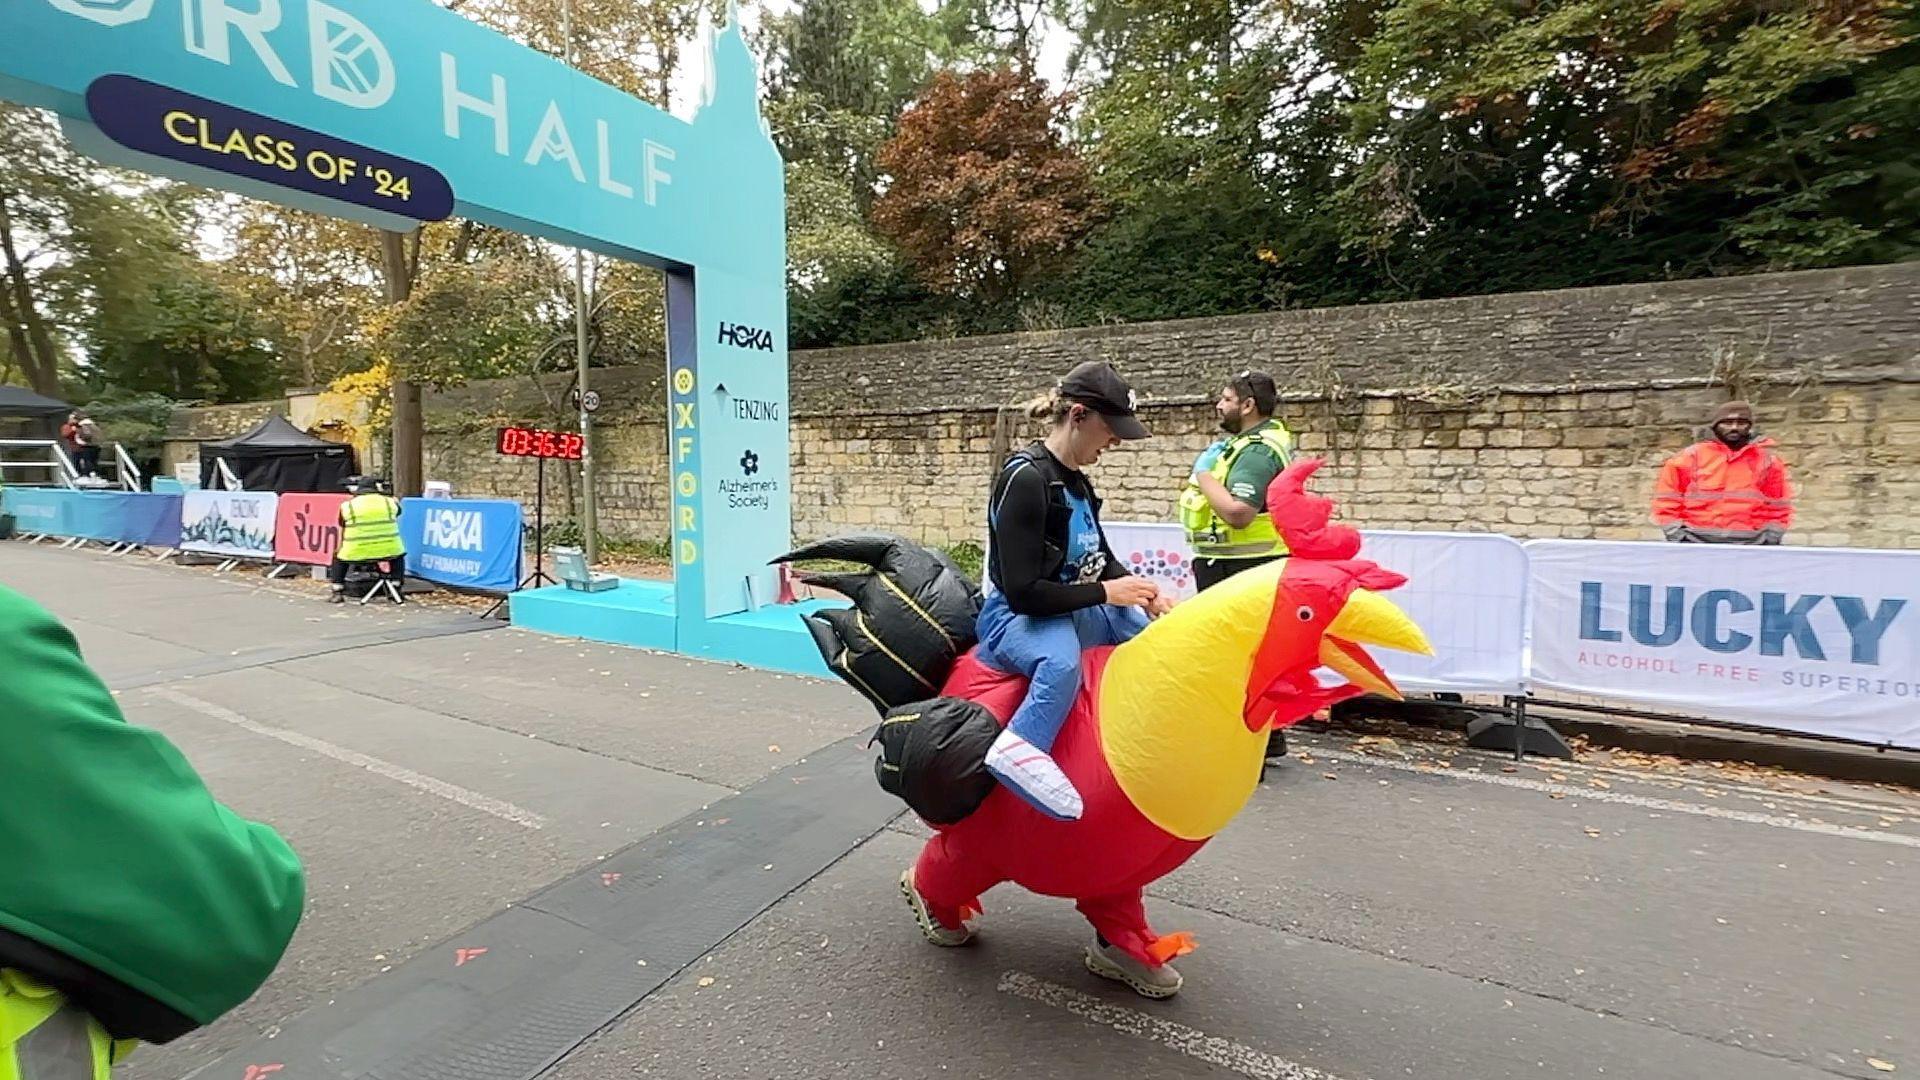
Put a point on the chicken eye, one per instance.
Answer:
(1305, 613)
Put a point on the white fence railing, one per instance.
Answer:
(1821, 641)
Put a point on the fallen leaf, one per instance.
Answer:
(1508, 768)
(1591, 831)
(773, 749)
(1556, 776)
(1599, 783)
(1556, 794)
(706, 980)
(1883, 1066)
(1329, 776)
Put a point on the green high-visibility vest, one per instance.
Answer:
(1211, 537)
(44, 1038)
(370, 528)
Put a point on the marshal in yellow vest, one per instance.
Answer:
(1207, 534)
(370, 528)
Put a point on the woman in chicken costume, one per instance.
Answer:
(1165, 740)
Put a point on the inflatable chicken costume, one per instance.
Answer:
(1165, 740)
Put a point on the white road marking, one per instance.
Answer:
(1211, 1049)
(452, 792)
(1599, 795)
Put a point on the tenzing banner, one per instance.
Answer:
(237, 524)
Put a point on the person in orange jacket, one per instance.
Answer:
(1730, 489)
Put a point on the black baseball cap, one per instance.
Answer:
(1096, 385)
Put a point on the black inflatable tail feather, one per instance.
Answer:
(848, 583)
(912, 615)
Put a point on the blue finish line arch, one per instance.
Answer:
(394, 112)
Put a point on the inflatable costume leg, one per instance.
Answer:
(949, 882)
(1121, 921)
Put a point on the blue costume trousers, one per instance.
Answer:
(1047, 651)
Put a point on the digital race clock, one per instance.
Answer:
(539, 443)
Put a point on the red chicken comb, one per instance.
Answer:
(1303, 518)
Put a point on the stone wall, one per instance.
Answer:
(1576, 464)
(1542, 414)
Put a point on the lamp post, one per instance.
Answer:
(589, 500)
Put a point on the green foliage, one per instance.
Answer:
(471, 321)
(1641, 138)
(986, 194)
(136, 420)
(1253, 154)
(1210, 157)
(186, 337)
(970, 557)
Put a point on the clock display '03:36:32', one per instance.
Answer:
(539, 443)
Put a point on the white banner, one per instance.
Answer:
(1467, 591)
(233, 523)
(1818, 640)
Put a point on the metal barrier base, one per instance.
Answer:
(1515, 733)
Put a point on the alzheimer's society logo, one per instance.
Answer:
(106, 12)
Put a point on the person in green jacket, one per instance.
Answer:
(133, 906)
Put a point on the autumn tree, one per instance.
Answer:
(43, 195)
(984, 192)
(312, 279)
(1575, 142)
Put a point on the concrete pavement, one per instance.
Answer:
(1380, 909)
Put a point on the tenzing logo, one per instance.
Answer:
(453, 529)
(106, 12)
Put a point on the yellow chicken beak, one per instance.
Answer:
(1370, 619)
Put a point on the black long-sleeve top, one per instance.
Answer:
(1029, 538)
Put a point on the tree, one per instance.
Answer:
(1212, 128)
(984, 194)
(632, 44)
(39, 181)
(492, 302)
(840, 72)
(103, 288)
(186, 336)
(1579, 141)
(313, 279)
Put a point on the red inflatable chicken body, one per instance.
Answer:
(1167, 735)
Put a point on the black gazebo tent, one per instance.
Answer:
(20, 402)
(276, 456)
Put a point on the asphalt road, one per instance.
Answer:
(1381, 908)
